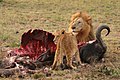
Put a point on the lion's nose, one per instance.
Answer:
(73, 27)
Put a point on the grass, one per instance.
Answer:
(18, 16)
(109, 71)
(37, 76)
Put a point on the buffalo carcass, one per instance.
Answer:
(94, 51)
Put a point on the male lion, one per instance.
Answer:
(81, 23)
(66, 45)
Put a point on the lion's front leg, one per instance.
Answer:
(60, 59)
(56, 59)
(54, 63)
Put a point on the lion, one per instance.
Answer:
(81, 23)
(66, 46)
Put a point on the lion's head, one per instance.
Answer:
(57, 35)
(81, 24)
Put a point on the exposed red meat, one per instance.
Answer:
(34, 43)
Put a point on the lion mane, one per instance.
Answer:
(86, 33)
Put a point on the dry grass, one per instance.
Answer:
(18, 16)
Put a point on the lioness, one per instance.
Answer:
(66, 45)
(81, 23)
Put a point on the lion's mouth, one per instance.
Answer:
(75, 31)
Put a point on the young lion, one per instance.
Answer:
(81, 23)
(66, 45)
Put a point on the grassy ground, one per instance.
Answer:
(18, 16)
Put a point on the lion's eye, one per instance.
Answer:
(79, 22)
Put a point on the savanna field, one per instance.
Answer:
(18, 16)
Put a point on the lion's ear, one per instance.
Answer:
(89, 20)
(63, 31)
(74, 16)
(87, 17)
(56, 32)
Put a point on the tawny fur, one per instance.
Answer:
(66, 46)
(81, 23)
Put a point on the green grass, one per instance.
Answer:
(50, 15)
